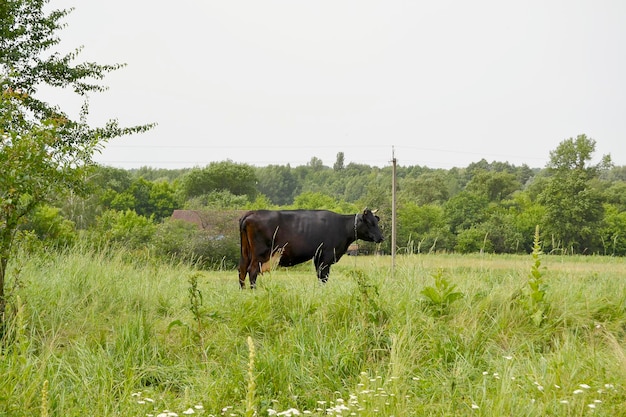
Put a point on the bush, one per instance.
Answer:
(178, 239)
(125, 227)
(51, 227)
(473, 240)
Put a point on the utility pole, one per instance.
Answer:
(393, 212)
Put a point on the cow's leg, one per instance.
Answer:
(243, 271)
(323, 270)
(245, 256)
(253, 272)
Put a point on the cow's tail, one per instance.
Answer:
(245, 255)
(242, 232)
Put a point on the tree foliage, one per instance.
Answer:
(43, 151)
(238, 179)
(573, 207)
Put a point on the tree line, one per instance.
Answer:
(494, 207)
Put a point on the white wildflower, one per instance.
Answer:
(189, 411)
(167, 413)
(289, 412)
(585, 386)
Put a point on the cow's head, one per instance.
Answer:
(367, 227)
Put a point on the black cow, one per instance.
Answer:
(295, 236)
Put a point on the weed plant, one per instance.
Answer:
(114, 334)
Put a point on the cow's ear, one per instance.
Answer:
(377, 218)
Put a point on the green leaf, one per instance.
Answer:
(432, 294)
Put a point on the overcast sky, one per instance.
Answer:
(445, 83)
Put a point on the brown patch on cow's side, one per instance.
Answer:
(272, 263)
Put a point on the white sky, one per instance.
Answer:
(445, 83)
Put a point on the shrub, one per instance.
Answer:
(125, 227)
(51, 227)
(182, 240)
(473, 240)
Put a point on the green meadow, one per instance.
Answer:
(115, 333)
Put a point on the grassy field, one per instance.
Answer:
(116, 334)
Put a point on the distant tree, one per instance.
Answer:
(465, 210)
(158, 174)
(421, 228)
(315, 163)
(217, 200)
(238, 179)
(475, 167)
(526, 215)
(501, 230)
(573, 208)
(615, 194)
(104, 178)
(195, 183)
(494, 185)
(613, 231)
(473, 239)
(355, 189)
(140, 190)
(524, 173)
(314, 201)
(278, 183)
(162, 200)
(339, 163)
(155, 200)
(43, 152)
(428, 188)
(616, 173)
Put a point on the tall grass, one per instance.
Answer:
(115, 334)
